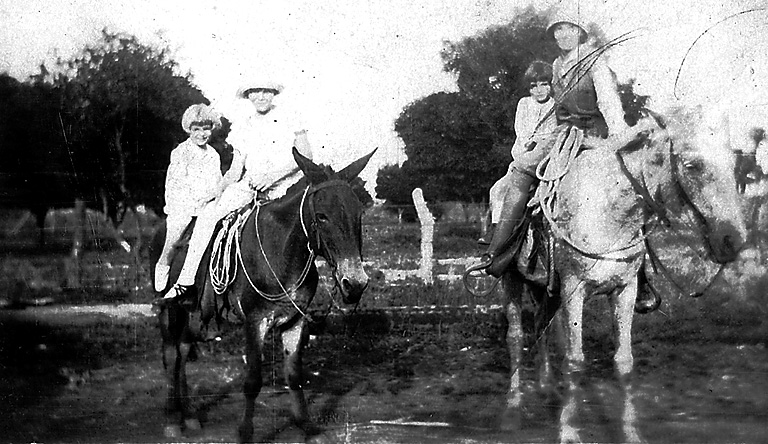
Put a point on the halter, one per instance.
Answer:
(320, 245)
(662, 216)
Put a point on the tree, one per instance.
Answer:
(450, 150)
(122, 103)
(34, 173)
(458, 143)
(489, 67)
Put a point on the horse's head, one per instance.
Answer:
(695, 153)
(333, 214)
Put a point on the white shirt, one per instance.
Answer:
(194, 173)
(527, 117)
(265, 141)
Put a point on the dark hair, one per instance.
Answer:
(250, 90)
(538, 71)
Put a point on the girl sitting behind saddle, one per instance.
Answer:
(193, 182)
(534, 116)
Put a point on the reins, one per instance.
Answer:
(655, 260)
(287, 292)
(550, 172)
(559, 163)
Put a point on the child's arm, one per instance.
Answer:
(522, 129)
(301, 143)
(235, 171)
(176, 194)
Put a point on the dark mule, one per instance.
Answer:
(609, 198)
(275, 283)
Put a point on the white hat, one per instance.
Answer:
(260, 83)
(200, 113)
(568, 13)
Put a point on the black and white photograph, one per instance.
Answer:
(403, 221)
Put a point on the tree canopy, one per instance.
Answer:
(122, 103)
(458, 144)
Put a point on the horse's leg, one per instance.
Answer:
(573, 294)
(188, 413)
(176, 349)
(172, 367)
(294, 339)
(547, 333)
(513, 286)
(623, 312)
(255, 331)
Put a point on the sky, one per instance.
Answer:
(351, 66)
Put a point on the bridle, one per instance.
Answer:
(312, 235)
(320, 247)
(658, 210)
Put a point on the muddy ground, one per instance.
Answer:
(86, 367)
(95, 375)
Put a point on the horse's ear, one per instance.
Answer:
(353, 169)
(312, 172)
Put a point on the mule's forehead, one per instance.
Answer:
(703, 137)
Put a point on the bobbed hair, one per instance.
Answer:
(538, 71)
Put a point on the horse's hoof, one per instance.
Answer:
(647, 303)
(172, 431)
(309, 428)
(245, 432)
(192, 424)
(569, 435)
(511, 420)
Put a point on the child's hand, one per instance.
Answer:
(261, 182)
(204, 200)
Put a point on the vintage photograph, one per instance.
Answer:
(422, 221)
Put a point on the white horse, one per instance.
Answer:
(607, 200)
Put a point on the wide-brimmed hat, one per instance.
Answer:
(259, 83)
(568, 13)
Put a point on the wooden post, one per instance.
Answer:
(73, 262)
(427, 234)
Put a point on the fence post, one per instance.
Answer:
(427, 234)
(73, 262)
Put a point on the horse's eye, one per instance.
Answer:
(321, 217)
(694, 166)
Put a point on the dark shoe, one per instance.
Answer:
(179, 294)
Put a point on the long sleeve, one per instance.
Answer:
(193, 178)
(523, 130)
(176, 194)
(235, 171)
(608, 100)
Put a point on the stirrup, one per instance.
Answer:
(486, 260)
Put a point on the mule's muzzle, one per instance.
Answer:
(352, 280)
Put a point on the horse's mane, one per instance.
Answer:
(703, 131)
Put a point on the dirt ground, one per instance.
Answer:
(93, 374)
(86, 367)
